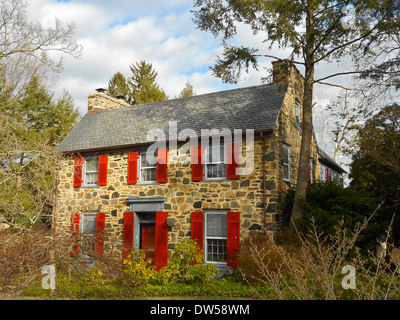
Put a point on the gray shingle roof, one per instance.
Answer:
(256, 107)
(324, 157)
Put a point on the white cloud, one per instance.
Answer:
(116, 34)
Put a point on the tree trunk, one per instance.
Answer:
(307, 126)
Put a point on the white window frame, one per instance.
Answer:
(287, 164)
(312, 175)
(207, 163)
(298, 113)
(85, 172)
(206, 237)
(322, 172)
(87, 258)
(140, 168)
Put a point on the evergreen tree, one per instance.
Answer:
(376, 164)
(30, 126)
(144, 88)
(37, 107)
(187, 91)
(118, 86)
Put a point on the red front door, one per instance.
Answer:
(149, 241)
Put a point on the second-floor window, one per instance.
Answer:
(215, 162)
(147, 170)
(90, 171)
(286, 163)
(298, 113)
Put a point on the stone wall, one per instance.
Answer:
(183, 196)
(288, 131)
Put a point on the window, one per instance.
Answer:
(215, 166)
(323, 172)
(312, 178)
(147, 171)
(215, 237)
(88, 236)
(286, 162)
(90, 171)
(298, 113)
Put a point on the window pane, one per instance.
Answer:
(89, 224)
(149, 174)
(216, 170)
(216, 225)
(285, 155)
(286, 172)
(147, 162)
(92, 164)
(91, 178)
(216, 153)
(88, 231)
(216, 250)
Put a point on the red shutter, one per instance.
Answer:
(161, 250)
(233, 238)
(75, 219)
(132, 167)
(162, 155)
(128, 235)
(232, 154)
(100, 232)
(329, 174)
(102, 174)
(197, 231)
(78, 172)
(197, 165)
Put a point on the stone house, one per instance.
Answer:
(210, 167)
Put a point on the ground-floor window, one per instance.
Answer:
(87, 236)
(215, 237)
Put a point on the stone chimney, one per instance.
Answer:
(284, 71)
(99, 101)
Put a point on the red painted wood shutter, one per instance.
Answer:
(161, 249)
(100, 232)
(128, 235)
(78, 164)
(132, 167)
(162, 155)
(75, 220)
(232, 154)
(102, 174)
(197, 228)
(329, 174)
(233, 238)
(197, 165)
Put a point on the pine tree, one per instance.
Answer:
(187, 91)
(118, 86)
(144, 88)
(31, 124)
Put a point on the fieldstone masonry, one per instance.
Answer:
(182, 195)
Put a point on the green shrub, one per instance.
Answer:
(329, 203)
(186, 265)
